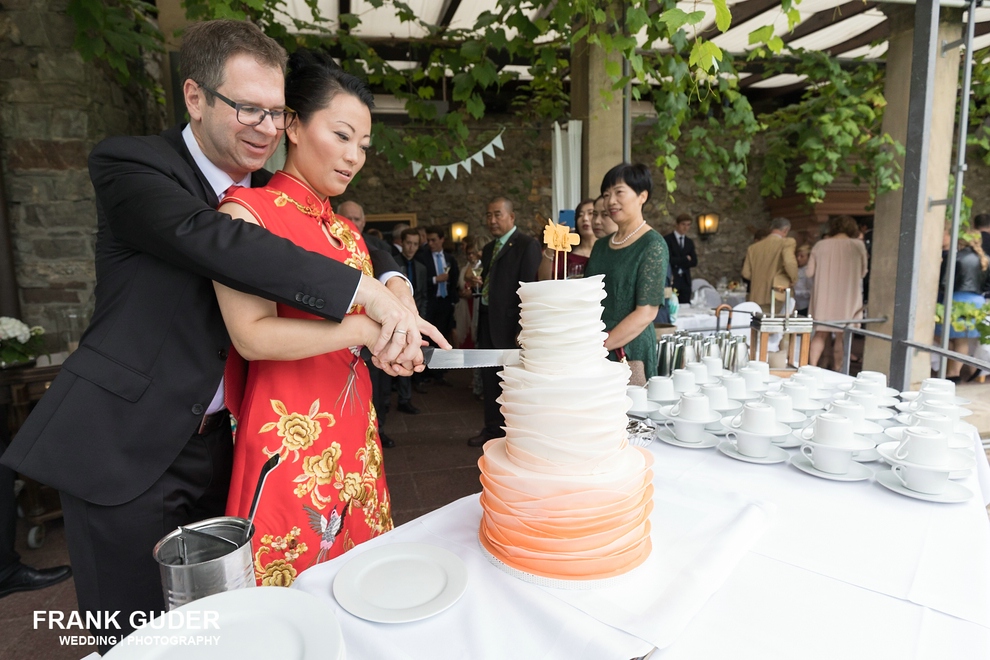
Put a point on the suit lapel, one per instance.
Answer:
(174, 137)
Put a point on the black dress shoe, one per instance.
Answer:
(25, 578)
(408, 408)
(387, 442)
(479, 440)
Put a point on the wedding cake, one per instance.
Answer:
(565, 496)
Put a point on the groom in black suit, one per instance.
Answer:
(133, 432)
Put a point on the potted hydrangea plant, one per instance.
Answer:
(19, 344)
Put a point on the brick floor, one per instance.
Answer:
(431, 466)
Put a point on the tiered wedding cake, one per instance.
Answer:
(565, 496)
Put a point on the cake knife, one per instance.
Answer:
(470, 358)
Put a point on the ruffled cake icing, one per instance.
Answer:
(564, 494)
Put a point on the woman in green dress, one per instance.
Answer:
(634, 262)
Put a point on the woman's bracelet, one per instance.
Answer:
(548, 257)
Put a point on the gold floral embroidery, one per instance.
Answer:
(278, 572)
(320, 470)
(298, 432)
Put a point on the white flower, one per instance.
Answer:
(13, 329)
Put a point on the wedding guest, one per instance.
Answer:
(601, 222)
(682, 257)
(770, 265)
(802, 288)
(634, 261)
(970, 278)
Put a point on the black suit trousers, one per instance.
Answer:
(111, 546)
(491, 384)
(8, 508)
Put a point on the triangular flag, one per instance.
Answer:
(453, 170)
(466, 164)
(441, 171)
(498, 142)
(479, 158)
(416, 167)
(490, 149)
(429, 173)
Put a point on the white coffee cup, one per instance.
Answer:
(753, 378)
(923, 446)
(718, 396)
(692, 406)
(660, 388)
(810, 382)
(798, 393)
(815, 372)
(781, 403)
(755, 417)
(872, 376)
(762, 367)
(866, 399)
(700, 372)
(735, 386)
(683, 381)
(827, 458)
(638, 396)
(830, 429)
(931, 420)
(939, 384)
(687, 430)
(950, 410)
(922, 479)
(714, 366)
(754, 445)
(848, 409)
(871, 387)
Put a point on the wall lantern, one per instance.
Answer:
(707, 225)
(458, 231)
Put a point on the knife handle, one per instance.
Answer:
(427, 354)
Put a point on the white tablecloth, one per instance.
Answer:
(845, 570)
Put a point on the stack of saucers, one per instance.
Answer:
(752, 435)
(922, 464)
(829, 447)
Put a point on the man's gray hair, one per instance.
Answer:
(397, 232)
(505, 201)
(780, 224)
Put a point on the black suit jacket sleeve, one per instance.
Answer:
(140, 188)
(686, 258)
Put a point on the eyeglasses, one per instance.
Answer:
(250, 115)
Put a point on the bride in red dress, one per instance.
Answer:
(306, 393)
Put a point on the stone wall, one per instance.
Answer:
(523, 173)
(53, 109)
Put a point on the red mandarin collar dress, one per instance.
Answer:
(328, 493)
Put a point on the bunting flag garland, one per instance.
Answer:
(478, 157)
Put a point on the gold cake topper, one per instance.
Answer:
(559, 239)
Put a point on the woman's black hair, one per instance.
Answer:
(636, 176)
(314, 80)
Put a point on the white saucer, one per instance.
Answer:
(859, 443)
(866, 455)
(789, 441)
(776, 455)
(711, 419)
(911, 396)
(733, 407)
(905, 419)
(400, 582)
(957, 459)
(663, 402)
(878, 414)
(796, 417)
(956, 440)
(882, 401)
(262, 622)
(752, 396)
(707, 440)
(887, 391)
(776, 431)
(816, 407)
(953, 494)
(909, 407)
(856, 472)
(650, 408)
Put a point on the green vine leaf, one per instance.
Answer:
(723, 16)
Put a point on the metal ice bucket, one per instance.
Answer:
(194, 566)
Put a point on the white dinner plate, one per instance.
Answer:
(856, 471)
(776, 455)
(258, 622)
(954, 492)
(707, 440)
(400, 582)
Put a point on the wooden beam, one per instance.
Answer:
(876, 33)
(826, 18)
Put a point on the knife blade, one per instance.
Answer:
(457, 358)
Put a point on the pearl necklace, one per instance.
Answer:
(631, 234)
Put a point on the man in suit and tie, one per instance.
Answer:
(133, 432)
(355, 213)
(771, 265)
(512, 257)
(682, 257)
(442, 295)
